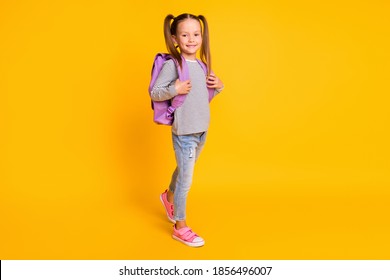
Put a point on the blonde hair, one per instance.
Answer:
(171, 29)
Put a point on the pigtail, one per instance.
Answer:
(168, 30)
(205, 54)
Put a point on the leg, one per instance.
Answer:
(172, 186)
(185, 147)
(187, 150)
(198, 149)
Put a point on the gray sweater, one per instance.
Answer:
(194, 115)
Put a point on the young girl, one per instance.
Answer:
(184, 36)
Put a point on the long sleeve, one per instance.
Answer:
(164, 87)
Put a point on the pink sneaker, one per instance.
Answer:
(168, 206)
(188, 237)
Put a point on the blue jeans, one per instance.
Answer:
(187, 150)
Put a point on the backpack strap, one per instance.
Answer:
(210, 90)
(184, 75)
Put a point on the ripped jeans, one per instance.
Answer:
(187, 150)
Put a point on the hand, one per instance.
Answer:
(183, 87)
(214, 82)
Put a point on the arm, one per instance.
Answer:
(214, 82)
(164, 87)
(168, 85)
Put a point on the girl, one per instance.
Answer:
(184, 36)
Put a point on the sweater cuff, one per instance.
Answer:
(218, 90)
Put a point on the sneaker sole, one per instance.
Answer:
(199, 244)
(171, 220)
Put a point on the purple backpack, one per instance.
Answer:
(164, 110)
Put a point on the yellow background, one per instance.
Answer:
(297, 159)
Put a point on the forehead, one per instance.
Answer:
(189, 25)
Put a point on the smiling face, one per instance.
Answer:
(188, 37)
